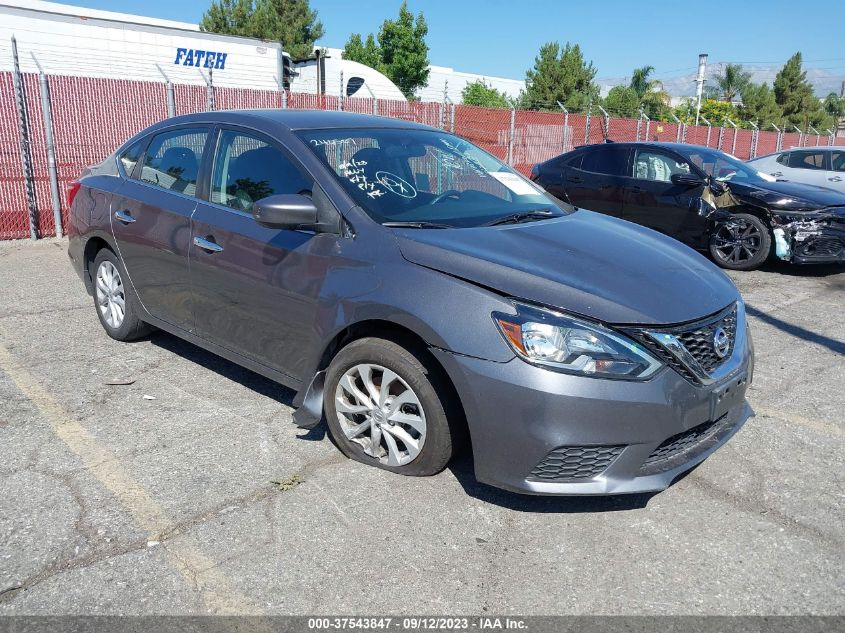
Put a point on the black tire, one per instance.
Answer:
(743, 242)
(131, 327)
(427, 384)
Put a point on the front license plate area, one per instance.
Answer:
(726, 397)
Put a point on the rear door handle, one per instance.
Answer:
(574, 179)
(124, 216)
(207, 245)
(635, 189)
(835, 179)
(777, 174)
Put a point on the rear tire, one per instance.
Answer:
(743, 242)
(118, 308)
(403, 428)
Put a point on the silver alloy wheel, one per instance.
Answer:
(378, 410)
(737, 241)
(111, 299)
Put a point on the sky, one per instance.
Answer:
(502, 37)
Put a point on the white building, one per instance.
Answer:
(69, 40)
(77, 41)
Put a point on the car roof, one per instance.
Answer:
(297, 119)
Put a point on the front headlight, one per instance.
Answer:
(574, 346)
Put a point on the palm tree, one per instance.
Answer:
(651, 93)
(639, 80)
(731, 81)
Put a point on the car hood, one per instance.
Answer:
(584, 263)
(787, 196)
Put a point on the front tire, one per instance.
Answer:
(386, 407)
(117, 307)
(743, 242)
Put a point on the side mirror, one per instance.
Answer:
(687, 180)
(285, 211)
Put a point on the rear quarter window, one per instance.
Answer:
(609, 160)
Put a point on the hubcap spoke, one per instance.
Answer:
(378, 410)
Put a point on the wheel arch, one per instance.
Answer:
(93, 245)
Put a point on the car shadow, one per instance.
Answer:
(788, 269)
(462, 469)
(834, 345)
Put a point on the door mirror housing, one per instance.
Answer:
(687, 180)
(285, 211)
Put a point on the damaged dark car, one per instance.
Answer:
(705, 198)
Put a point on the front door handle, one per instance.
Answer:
(574, 179)
(635, 189)
(835, 179)
(124, 216)
(207, 245)
(777, 174)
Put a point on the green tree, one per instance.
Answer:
(622, 101)
(401, 52)
(367, 53)
(404, 53)
(796, 97)
(759, 105)
(834, 105)
(731, 81)
(478, 93)
(560, 74)
(715, 111)
(292, 23)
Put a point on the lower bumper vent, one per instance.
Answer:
(575, 463)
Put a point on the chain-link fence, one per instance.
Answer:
(90, 117)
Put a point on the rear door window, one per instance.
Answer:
(807, 160)
(172, 160)
(606, 159)
(837, 161)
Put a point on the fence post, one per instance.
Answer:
(341, 93)
(733, 143)
(566, 135)
(678, 131)
(209, 90)
(510, 136)
(800, 136)
(587, 126)
(721, 135)
(23, 129)
(818, 136)
(755, 135)
(639, 123)
(443, 105)
(606, 121)
(171, 96)
(52, 170)
(709, 129)
(830, 137)
(647, 125)
(452, 119)
(778, 139)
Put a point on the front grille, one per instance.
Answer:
(821, 247)
(699, 342)
(574, 463)
(697, 338)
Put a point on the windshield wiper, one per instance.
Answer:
(516, 218)
(417, 225)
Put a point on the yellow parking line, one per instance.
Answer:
(794, 418)
(219, 595)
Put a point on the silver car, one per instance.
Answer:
(821, 166)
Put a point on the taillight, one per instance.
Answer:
(535, 173)
(72, 190)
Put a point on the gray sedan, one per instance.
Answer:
(418, 294)
(821, 166)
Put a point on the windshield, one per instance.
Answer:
(724, 167)
(428, 178)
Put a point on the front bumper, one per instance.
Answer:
(535, 431)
